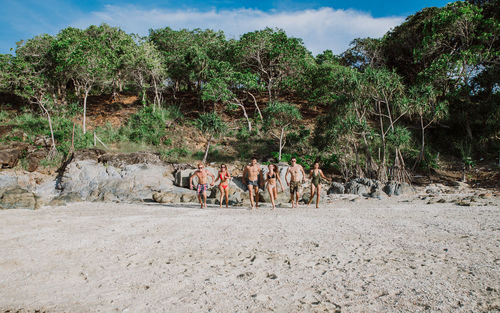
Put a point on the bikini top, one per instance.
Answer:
(222, 176)
(273, 176)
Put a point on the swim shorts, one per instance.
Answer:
(294, 187)
(202, 188)
(253, 183)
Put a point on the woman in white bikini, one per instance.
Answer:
(271, 177)
(224, 177)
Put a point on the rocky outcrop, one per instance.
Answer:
(398, 189)
(336, 188)
(17, 198)
(10, 155)
(94, 181)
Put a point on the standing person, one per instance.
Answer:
(294, 183)
(271, 177)
(224, 177)
(202, 187)
(252, 174)
(316, 174)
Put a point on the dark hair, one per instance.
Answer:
(293, 158)
(225, 166)
(253, 158)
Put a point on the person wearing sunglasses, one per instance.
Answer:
(224, 177)
(202, 175)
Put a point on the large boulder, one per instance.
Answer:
(10, 155)
(18, 198)
(122, 159)
(398, 189)
(94, 181)
(336, 188)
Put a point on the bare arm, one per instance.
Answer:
(322, 175)
(279, 180)
(303, 174)
(218, 176)
(286, 176)
(213, 178)
(191, 180)
(245, 173)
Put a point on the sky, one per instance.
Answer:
(320, 24)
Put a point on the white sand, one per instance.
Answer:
(367, 256)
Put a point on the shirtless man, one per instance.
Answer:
(251, 177)
(202, 187)
(294, 181)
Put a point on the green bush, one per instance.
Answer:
(148, 125)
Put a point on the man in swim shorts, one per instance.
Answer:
(252, 175)
(294, 170)
(202, 187)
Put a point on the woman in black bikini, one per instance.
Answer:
(224, 177)
(316, 174)
(271, 177)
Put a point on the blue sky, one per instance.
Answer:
(321, 24)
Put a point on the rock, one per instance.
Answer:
(397, 189)
(45, 192)
(87, 154)
(7, 181)
(336, 188)
(34, 159)
(18, 198)
(10, 155)
(123, 159)
(167, 197)
(435, 189)
(361, 186)
(459, 185)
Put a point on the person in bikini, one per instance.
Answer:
(294, 170)
(224, 177)
(316, 174)
(202, 187)
(271, 177)
(252, 174)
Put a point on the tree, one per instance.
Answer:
(211, 125)
(31, 80)
(279, 118)
(274, 56)
(425, 103)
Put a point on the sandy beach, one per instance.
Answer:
(364, 256)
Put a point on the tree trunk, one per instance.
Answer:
(256, 106)
(281, 143)
(422, 144)
(53, 148)
(206, 149)
(245, 114)
(85, 109)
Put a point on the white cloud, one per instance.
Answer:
(321, 29)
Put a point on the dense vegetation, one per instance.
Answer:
(390, 105)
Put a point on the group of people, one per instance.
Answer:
(254, 179)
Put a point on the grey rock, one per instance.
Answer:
(18, 198)
(336, 188)
(397, 189)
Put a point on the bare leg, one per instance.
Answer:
(318, 193)
(271, 194)
(313, 190)
(291, 199)
(205, 199)
(275, 190)
(256, 196)
(250, 192)
(199, 199)
(297, 196)
(221, 195)
(226, 191)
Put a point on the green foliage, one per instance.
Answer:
(174, 154)
(211, 124)
(147, 125)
